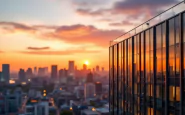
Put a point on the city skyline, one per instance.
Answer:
(33, 34)
(49, 68)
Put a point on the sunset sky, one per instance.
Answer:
(45, 32)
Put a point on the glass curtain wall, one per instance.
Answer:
(145, 73)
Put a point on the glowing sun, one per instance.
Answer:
(87, 62)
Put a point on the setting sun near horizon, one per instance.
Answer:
(86, 62)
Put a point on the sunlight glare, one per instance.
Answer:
(87, 62)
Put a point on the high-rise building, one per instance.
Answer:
(46, 70)
(1, 77)
(22, 75)
(3, 105)
(29, 73)
(84, 67)
(98, 87)
(71, 68)
(89, 90)
(42, 71)
(54, 71)
(65, 72)
(6, 72)
(151, 77)
(97, 68)
(89, 78)
(35, 70)
(61, 73)
(102, 69)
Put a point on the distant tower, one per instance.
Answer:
(29, 73)
(71, 68)
(89, 78)
(97, 68)
(103, 69)
(84, 67)
(65, 72)
(45, 70)
(61, 73)
(35, 70)
(22, 75)
(1, 77)
(89, 86)
(98, 86)
(89, 90)
(54, 71)
(6, 72)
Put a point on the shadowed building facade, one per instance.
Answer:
(147, 71)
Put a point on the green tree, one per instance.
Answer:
(65, 112)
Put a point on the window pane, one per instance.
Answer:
(171, 31)
(147, 40)
(158, 37)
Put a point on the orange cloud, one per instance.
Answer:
(74, 34)
(1, 51)
(38, 48)
(14, 27)
(74, 30)
(93, 35)
(65, 52)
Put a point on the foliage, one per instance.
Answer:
(65, 112)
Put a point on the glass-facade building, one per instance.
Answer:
(147, 71)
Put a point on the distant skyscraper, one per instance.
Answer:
(22, 75)
(89, 78)
(41, 72)
(71, 68)
(102, 69)
(97, 68)
(61, 73)
(46, 70)
(65, 72)
(89, 86)
(98, 86)
(84, 67)
(89, 90)
(35, 70)
(29, 73)
(6, 72)
(54, 71)
(1, 77)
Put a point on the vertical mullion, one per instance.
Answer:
(127, 74)
(144, 100)
(140, 73)
(123, 77)
(181, 63)
(133, 75)
(113, 103)
(117, 77)
(154, 64)
(167, 69)
(109, 77)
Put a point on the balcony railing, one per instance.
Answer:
(180, 7)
